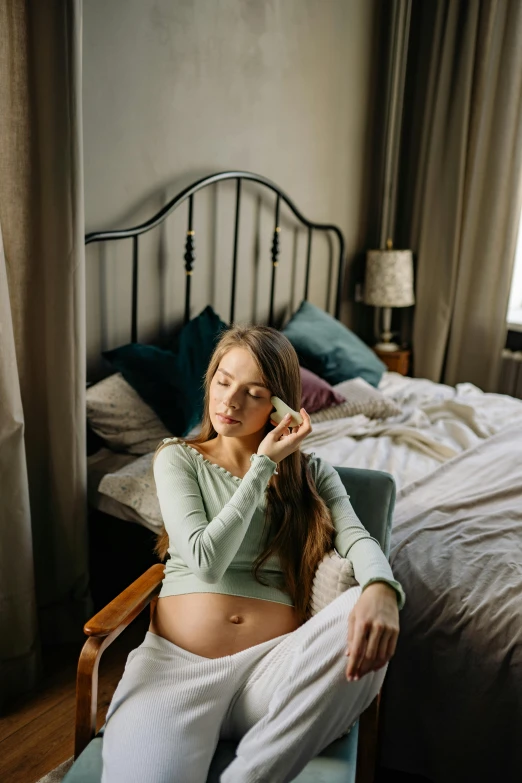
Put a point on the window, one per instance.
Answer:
(514, 318)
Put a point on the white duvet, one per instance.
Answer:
(437, 423)
(452, 710)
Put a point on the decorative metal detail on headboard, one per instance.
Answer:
(189, 256)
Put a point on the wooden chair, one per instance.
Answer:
(350, 759)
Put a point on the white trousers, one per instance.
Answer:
(285, 700)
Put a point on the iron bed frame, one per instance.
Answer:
(105, 538)
(190, 254)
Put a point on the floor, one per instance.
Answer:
(37, 734)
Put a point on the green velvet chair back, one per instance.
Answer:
(372, 494)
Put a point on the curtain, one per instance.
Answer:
(44, 596)
(461, 189)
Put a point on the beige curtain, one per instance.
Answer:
(44, 594)
(466, 184)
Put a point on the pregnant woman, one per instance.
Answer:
(232, 651)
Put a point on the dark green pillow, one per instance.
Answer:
(171, 382)
(195, 346)
(325, 346)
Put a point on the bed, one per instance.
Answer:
(454, 689)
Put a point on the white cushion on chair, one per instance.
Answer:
(333, 576)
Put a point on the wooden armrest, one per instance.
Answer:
(102, 630)
(127, 605)
(368, 742)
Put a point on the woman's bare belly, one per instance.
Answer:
(214, 625)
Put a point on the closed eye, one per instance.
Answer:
(255, 396)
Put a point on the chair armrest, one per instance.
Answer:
(127, 605)
(102, 630)
(368, 742)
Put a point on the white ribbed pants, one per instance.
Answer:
(285, 700)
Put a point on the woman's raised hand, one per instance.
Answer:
(283, 439)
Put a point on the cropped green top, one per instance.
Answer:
(215, 524)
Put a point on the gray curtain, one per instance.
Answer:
(44, 595)
(461, 186)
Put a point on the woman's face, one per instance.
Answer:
(239, 403)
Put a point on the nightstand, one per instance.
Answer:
(396, 361)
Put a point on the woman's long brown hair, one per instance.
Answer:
(298, 524)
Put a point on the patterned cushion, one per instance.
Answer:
(134, 486)
(118, 415)
(360, 398)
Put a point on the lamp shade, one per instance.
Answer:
(389, 278)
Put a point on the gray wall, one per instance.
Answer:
(175, 89)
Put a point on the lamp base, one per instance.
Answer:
(386, 347)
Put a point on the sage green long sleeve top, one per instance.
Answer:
(215, 524)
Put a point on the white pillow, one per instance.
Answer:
(134, 486)
(361, 397)
(333, 576)
(117, 414)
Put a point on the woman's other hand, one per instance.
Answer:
(283, 440)
(373, 628)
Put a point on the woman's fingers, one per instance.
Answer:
(374, 640)
(382, 653)
(369, 650)
(306, 426)
(373, 630)
(300, 432)
(368, 661)
(297, 432)
(357, 650)
(282, 426)
(392, 644)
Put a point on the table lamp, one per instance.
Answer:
(388, 283)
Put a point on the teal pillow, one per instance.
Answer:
(171, 381)
(325, 346)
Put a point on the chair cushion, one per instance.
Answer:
(88, 766)
(336, 764)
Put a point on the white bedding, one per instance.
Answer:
(437, 423)
(453, 694)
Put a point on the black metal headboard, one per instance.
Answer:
(189, 256)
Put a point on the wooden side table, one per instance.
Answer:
(396, 361)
